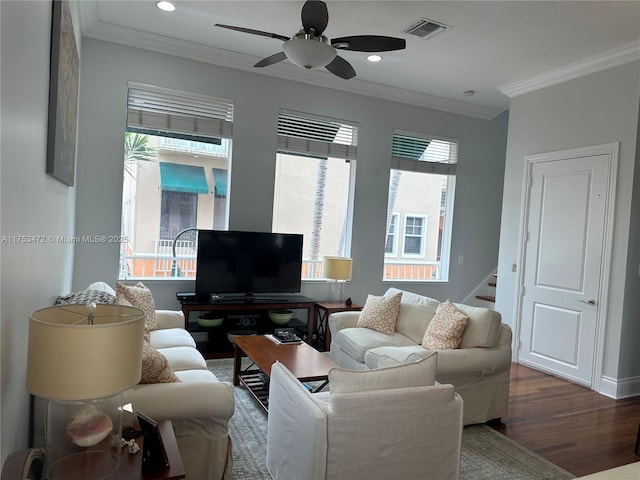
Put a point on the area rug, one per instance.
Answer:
(486, 454)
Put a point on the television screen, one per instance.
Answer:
(248, 262)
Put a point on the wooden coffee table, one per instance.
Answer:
(305, 362)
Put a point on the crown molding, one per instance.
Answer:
(207, 54)
(627, 53)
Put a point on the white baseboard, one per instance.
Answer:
(618, 389)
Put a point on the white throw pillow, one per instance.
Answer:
(380, 313)
(446, 329)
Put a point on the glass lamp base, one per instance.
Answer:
(83, 438)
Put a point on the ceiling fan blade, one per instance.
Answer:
(369, 43)
(340, 67)
(270, 60)
(314, 16)
(254, 32)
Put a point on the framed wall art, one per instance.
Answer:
(63, 95)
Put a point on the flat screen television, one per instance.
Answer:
(248, 263)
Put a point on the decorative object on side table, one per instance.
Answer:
(81, 358)
(338, 271)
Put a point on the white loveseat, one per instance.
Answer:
(479, 370)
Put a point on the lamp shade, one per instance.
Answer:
(70, 359)
(336, 268)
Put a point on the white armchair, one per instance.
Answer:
(375, 424)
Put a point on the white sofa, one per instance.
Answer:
(479, 370)
(371, 424)
(199, 405)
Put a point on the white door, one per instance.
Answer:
(566, 229)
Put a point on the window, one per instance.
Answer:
(177, 155)
(421, 191)
(414, 228)
(315, 166)
(392, 233)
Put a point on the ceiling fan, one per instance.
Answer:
(309, 48)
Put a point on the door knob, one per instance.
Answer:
(588, 302)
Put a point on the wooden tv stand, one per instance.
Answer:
(246, 306)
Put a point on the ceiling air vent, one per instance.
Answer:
(424, 28)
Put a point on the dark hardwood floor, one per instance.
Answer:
(577, 429)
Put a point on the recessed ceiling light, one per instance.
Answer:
(166, 6)
(374, 58)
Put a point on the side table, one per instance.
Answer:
(130, 465)
(321, 318)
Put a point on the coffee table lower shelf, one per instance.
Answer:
(257, 384)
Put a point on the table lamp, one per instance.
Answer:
(338, 271)
(81, 358)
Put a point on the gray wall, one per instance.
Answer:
(596, 109)
(32, 203)
(106, 69)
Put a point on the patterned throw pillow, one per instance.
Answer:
(140, 297)
(381, 313)
(445, 329)
(86, 296)
(155, 366)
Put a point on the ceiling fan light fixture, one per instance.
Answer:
(374, 58)
(309, 52)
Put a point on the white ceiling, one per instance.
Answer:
(498, 49)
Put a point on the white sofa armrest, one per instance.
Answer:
(474, 361)
(170, 319)
(189, 398)
(297, 422)
(340, 320)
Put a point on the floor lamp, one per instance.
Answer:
(338, 271)
(81, 358)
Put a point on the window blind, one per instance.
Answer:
(416, 153)
(313, 135)
(155, 110)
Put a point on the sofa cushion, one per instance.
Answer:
(416, 311)
(380, 313)
(446, 328)
(384, 356)
(155, 366)
(140, 297)
(171, 337)
(414, 374)
(357, 341)
(183, 358)
(483, 328)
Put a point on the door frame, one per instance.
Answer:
(610, 149)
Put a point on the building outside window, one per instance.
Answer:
(313, 191)
(420, 205)
(177, 155)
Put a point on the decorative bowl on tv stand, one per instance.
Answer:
(280, 317)
(208, 322)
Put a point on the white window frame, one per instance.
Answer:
(422, 236)
(394, 234)
(438, 166)
(301, 134)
